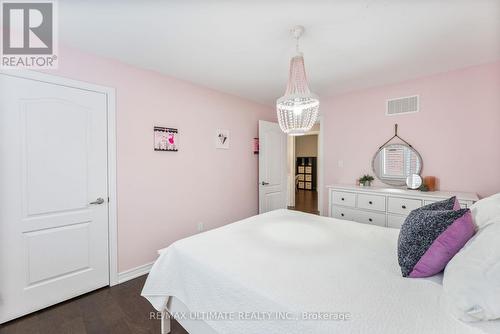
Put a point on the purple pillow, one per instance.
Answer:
(430, 238)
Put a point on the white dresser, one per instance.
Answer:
(384, 206)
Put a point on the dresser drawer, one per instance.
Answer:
(427, 202)
(371, 202)
(359, 216)
(463, 205)
(344, 198)
(343, 213)
(373, 218)
(395, 221)
(402, 206)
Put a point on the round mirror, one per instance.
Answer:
(393, 163)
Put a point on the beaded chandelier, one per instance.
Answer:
(298, 108)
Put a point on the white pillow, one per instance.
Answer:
(486, 209)
(471, 281)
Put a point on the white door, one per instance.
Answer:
(53, 194)
(272, 167)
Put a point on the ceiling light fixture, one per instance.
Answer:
(298, 108)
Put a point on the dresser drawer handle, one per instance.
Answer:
(403, 206)
(370, 202)
(342, 214)
(370, 220)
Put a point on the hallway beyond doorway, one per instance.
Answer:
(306, 201)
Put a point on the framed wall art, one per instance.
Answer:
(222, 139)
(256, 146)
(165, 139)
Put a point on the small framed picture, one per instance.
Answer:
(165, 139)
(222, 139)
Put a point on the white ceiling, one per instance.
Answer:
(243, 47)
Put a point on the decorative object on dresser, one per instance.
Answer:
(413, 181)
(423, 188)
(306, 173)
(387, 207)
(430, 183)
(365, 180)
(393, 163)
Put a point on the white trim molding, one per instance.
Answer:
(129, 274)
(112, 199)
(321, 151)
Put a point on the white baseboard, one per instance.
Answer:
(127, 275)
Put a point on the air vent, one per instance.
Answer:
(402, 105)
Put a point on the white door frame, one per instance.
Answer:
(320, 162)
(319, 187)
(111, 136)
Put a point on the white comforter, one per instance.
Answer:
(291, 262)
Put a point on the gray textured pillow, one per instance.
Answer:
(431, 236)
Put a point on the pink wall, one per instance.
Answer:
(163, 195)
(457, 130)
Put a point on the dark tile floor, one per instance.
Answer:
(119, 309)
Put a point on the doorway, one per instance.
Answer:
(304, 171)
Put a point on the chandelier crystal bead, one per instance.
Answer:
(298, 109)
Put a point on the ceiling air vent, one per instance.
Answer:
(402, 105)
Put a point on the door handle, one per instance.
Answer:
(264, 183)
(97, 201)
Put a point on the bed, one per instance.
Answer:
(290, 272)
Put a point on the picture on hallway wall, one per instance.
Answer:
(165, 139)
(222, 139)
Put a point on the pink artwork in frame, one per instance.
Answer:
(165, 139)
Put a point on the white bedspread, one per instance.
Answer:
(291, 262)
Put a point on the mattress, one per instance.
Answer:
(291, 272)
